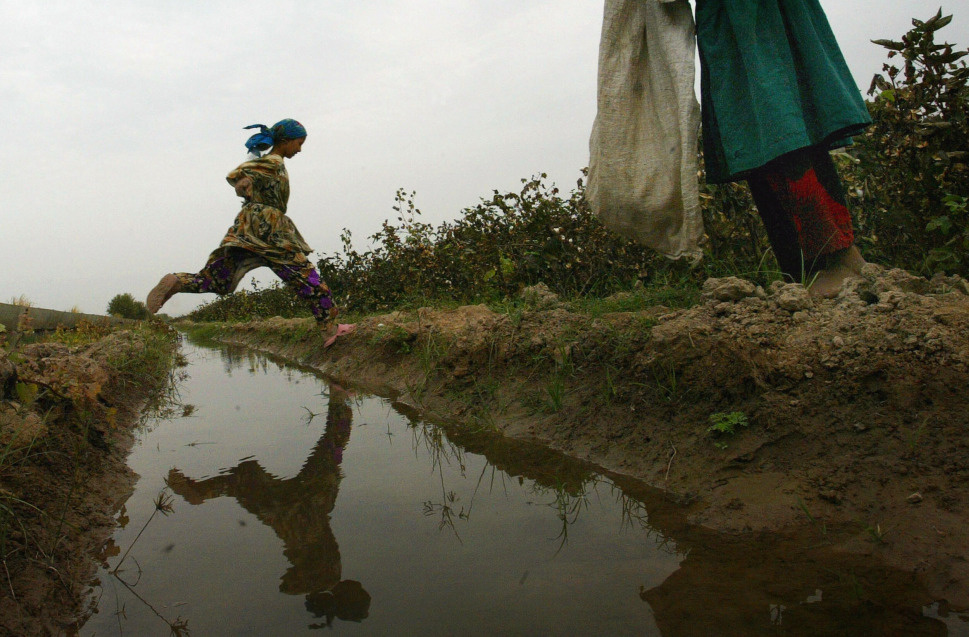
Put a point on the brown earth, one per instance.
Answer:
(856, 408)
(66, 421)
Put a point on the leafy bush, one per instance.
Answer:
(496, 248)
(125, 306)
(910, 181)
(247, 305)
(736, 242)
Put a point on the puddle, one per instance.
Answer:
(290, 504)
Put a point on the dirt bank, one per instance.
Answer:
(848, 415)
(66, 420)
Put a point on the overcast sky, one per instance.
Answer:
(122, 118)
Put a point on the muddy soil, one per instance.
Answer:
(66, 421)
(846, 418)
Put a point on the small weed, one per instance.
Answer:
(556, 388)
(480, 420)
(821, 526)
(163, 505)
(396, 337)
(563, 360)
(25, 324)
(301, 332)
(555, 392)
(417, 390)
(666, 380)
(726, 423)
(855, 586)
(611, 390)
(513, 309)
(876, 533)
(803, 507)
(430, 353)
(27, 395)
(486, 390)
(914, 437)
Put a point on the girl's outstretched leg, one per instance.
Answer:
(221, 275)
(168, 287)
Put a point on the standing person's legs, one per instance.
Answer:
(781, 231)
(801, 200)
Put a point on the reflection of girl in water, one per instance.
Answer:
(298, 510)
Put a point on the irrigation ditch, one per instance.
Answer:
(758, 411)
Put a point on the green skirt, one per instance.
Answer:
(772, 80)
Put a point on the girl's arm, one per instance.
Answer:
(242, 177)
(243, 187)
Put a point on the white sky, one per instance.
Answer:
(121, 119)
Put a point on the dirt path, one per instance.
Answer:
(66, 426)
(849, 417)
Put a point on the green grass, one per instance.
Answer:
(203, 332)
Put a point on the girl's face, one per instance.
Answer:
(289, 148)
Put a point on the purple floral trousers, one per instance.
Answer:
(226, 268)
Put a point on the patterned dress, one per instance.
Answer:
(262, 235)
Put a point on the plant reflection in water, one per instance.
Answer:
(163, 402)
(298, 510)
(566, 487)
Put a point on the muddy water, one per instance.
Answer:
(291, 504)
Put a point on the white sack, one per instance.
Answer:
(643, 165)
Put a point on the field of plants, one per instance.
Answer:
(907, 179)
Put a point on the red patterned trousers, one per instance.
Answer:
(802, 203)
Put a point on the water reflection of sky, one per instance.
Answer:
(299, 506)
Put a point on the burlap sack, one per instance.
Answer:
(643, 165)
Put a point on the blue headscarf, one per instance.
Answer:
(266, 138)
